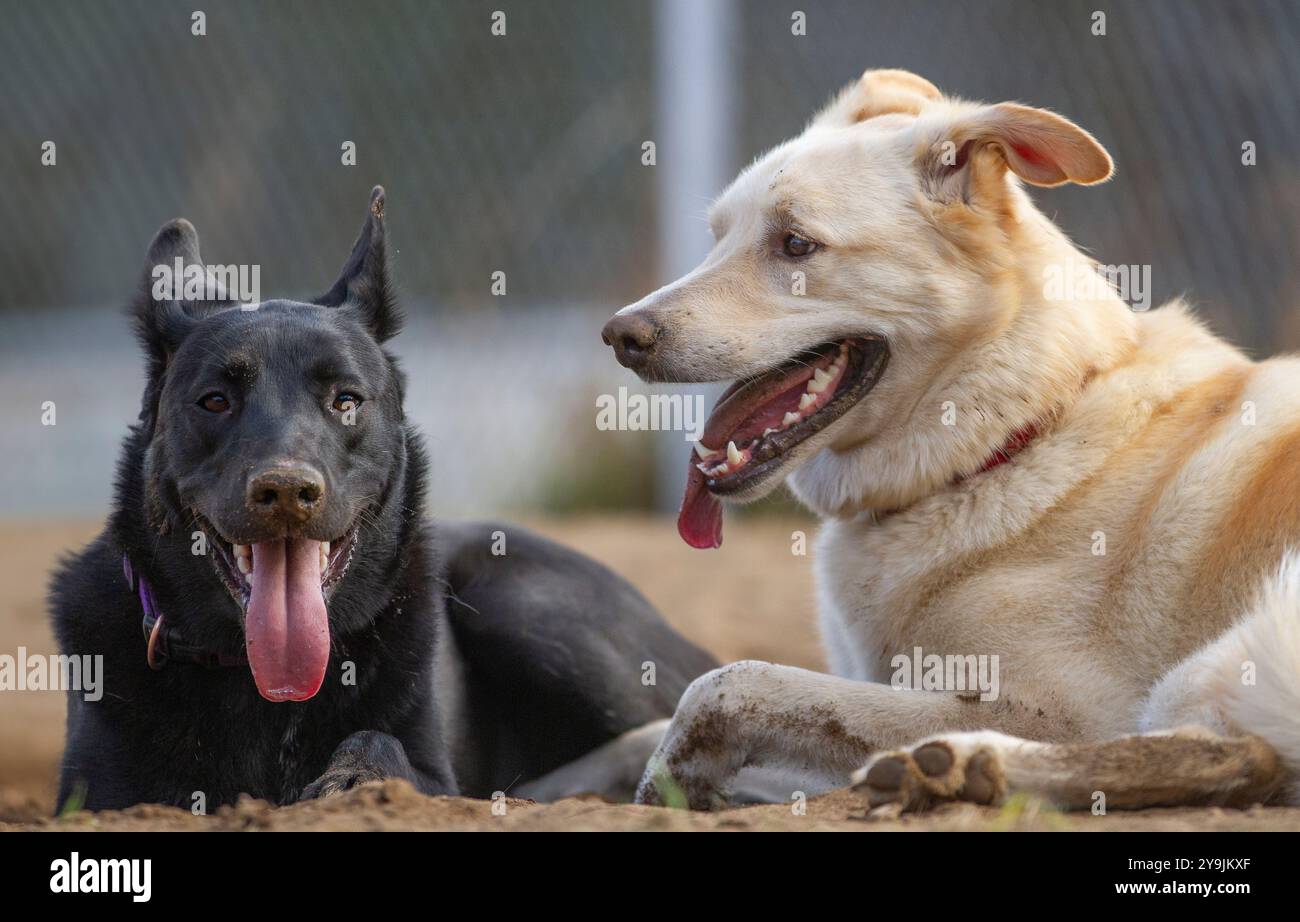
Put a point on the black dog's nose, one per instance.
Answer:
(633, 337)
(287, 492)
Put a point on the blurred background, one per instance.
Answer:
(522, 153)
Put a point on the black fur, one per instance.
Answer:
(547, 645)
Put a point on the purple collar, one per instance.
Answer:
(164, 643)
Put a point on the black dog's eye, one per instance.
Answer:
(797, 246)
(215, 402)
(346, 401)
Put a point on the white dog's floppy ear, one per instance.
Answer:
(1040, 147)
(879, 92)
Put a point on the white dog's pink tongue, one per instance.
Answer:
(700, 520)
(286, 629)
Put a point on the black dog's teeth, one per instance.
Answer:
(234, 563)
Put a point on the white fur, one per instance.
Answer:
(1143, 440)
(1269, 638)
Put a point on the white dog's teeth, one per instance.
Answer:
(244, 564)
(768, 431)
(704, 451)
(324, 547)
(243, 550)
(790, 419)
(806, 400)
(820, 380)
(733, 454)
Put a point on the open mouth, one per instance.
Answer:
(756, 423)
(236, 564)
(282, 586)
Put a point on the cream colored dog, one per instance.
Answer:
(887, 297)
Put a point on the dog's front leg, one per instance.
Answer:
(811, 729)
(370, 755)
(759, 715)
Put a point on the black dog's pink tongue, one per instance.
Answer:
(700, 520)
(286, 629)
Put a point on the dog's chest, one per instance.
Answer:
(223, 743)
(891, 591)
(863, 593)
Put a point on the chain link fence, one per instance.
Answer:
(515, 152)
(522, 152)
(1173, 89)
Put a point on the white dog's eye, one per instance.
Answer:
(797, 246)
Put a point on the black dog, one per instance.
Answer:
(266, 598)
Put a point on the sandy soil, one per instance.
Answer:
(752, 599)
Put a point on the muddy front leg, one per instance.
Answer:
(1188, 766)
(806, 730)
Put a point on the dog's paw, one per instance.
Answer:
(688, 785)
(663, 790)
(362, 757)
(647, 794)
(964, 766)
(340, 778)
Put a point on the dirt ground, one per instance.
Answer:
(751, 599)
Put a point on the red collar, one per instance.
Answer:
(1019, 440)
(1017, 443)
(1014, 445)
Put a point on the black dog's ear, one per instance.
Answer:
(162, 322)
(362, 286)
(163, 316)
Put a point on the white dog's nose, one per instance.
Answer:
(632, 335)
